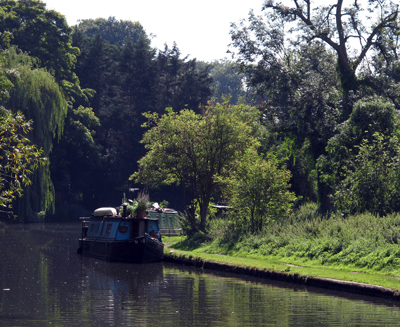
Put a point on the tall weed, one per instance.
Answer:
(362, 241)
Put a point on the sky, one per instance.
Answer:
(199, 28)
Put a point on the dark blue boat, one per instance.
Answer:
(109, 236)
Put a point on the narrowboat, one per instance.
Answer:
(110, 236)
(168, 220)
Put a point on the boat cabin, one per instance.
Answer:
(106, 224)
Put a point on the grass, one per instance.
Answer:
(362, 248)
(291, 265)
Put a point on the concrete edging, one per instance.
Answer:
(327, 283)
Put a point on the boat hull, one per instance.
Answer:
(144, 249)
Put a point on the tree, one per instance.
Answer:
(335, 25)
(370, 116)
(258, 190)
(76, 163)
(385, 81)
(95, 66)
(371, 178)
(130, 77)
(181, 82)
(38, 96)
(114, 31)
(299, 94)
(309, 65)
(42, 33)
(45, 36)
(228, 81)
(137, 72)
(18, 158)
(191, 150)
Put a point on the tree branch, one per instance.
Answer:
(297, 12)
(339, 23)
(384, 23)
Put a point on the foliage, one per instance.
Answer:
(130, 209)
(113, 31)
(258, 190)
(371, 178)
(306, 211)
(130, 77)
(228, 81)
(38, 96)
(189, 149)
(180, 82)
(363, 241)
(142, 202)
(299, 93)
(386, 79)
(370, 115)
(18, 157)
(76, 162)
(301, 64)
(164, 204)
(336, 25)
(43, 33)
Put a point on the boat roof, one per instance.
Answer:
(166, 210)
(116, 218)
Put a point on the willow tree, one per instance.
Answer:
(38, 96)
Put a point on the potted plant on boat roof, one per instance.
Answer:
(142, 204)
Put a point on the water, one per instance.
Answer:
(43, 282)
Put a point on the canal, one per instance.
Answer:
(45, 283)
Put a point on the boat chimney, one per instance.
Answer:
(124, 213)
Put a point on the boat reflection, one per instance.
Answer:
(125, 282)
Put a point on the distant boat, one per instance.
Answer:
(109, 236)
(168, 220)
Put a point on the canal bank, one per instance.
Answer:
(231, 264)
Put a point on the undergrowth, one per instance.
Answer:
(362, 241)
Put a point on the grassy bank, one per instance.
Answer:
(362, 248)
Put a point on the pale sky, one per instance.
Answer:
(200, 28)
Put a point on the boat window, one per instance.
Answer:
(153, 226)
(108, 230)
(135, 229)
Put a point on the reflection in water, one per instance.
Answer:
(117, 290)
(44, 282)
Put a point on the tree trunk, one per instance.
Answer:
(203, 214)
(349, 83)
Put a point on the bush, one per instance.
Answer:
(306, 211)
(371, 181)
